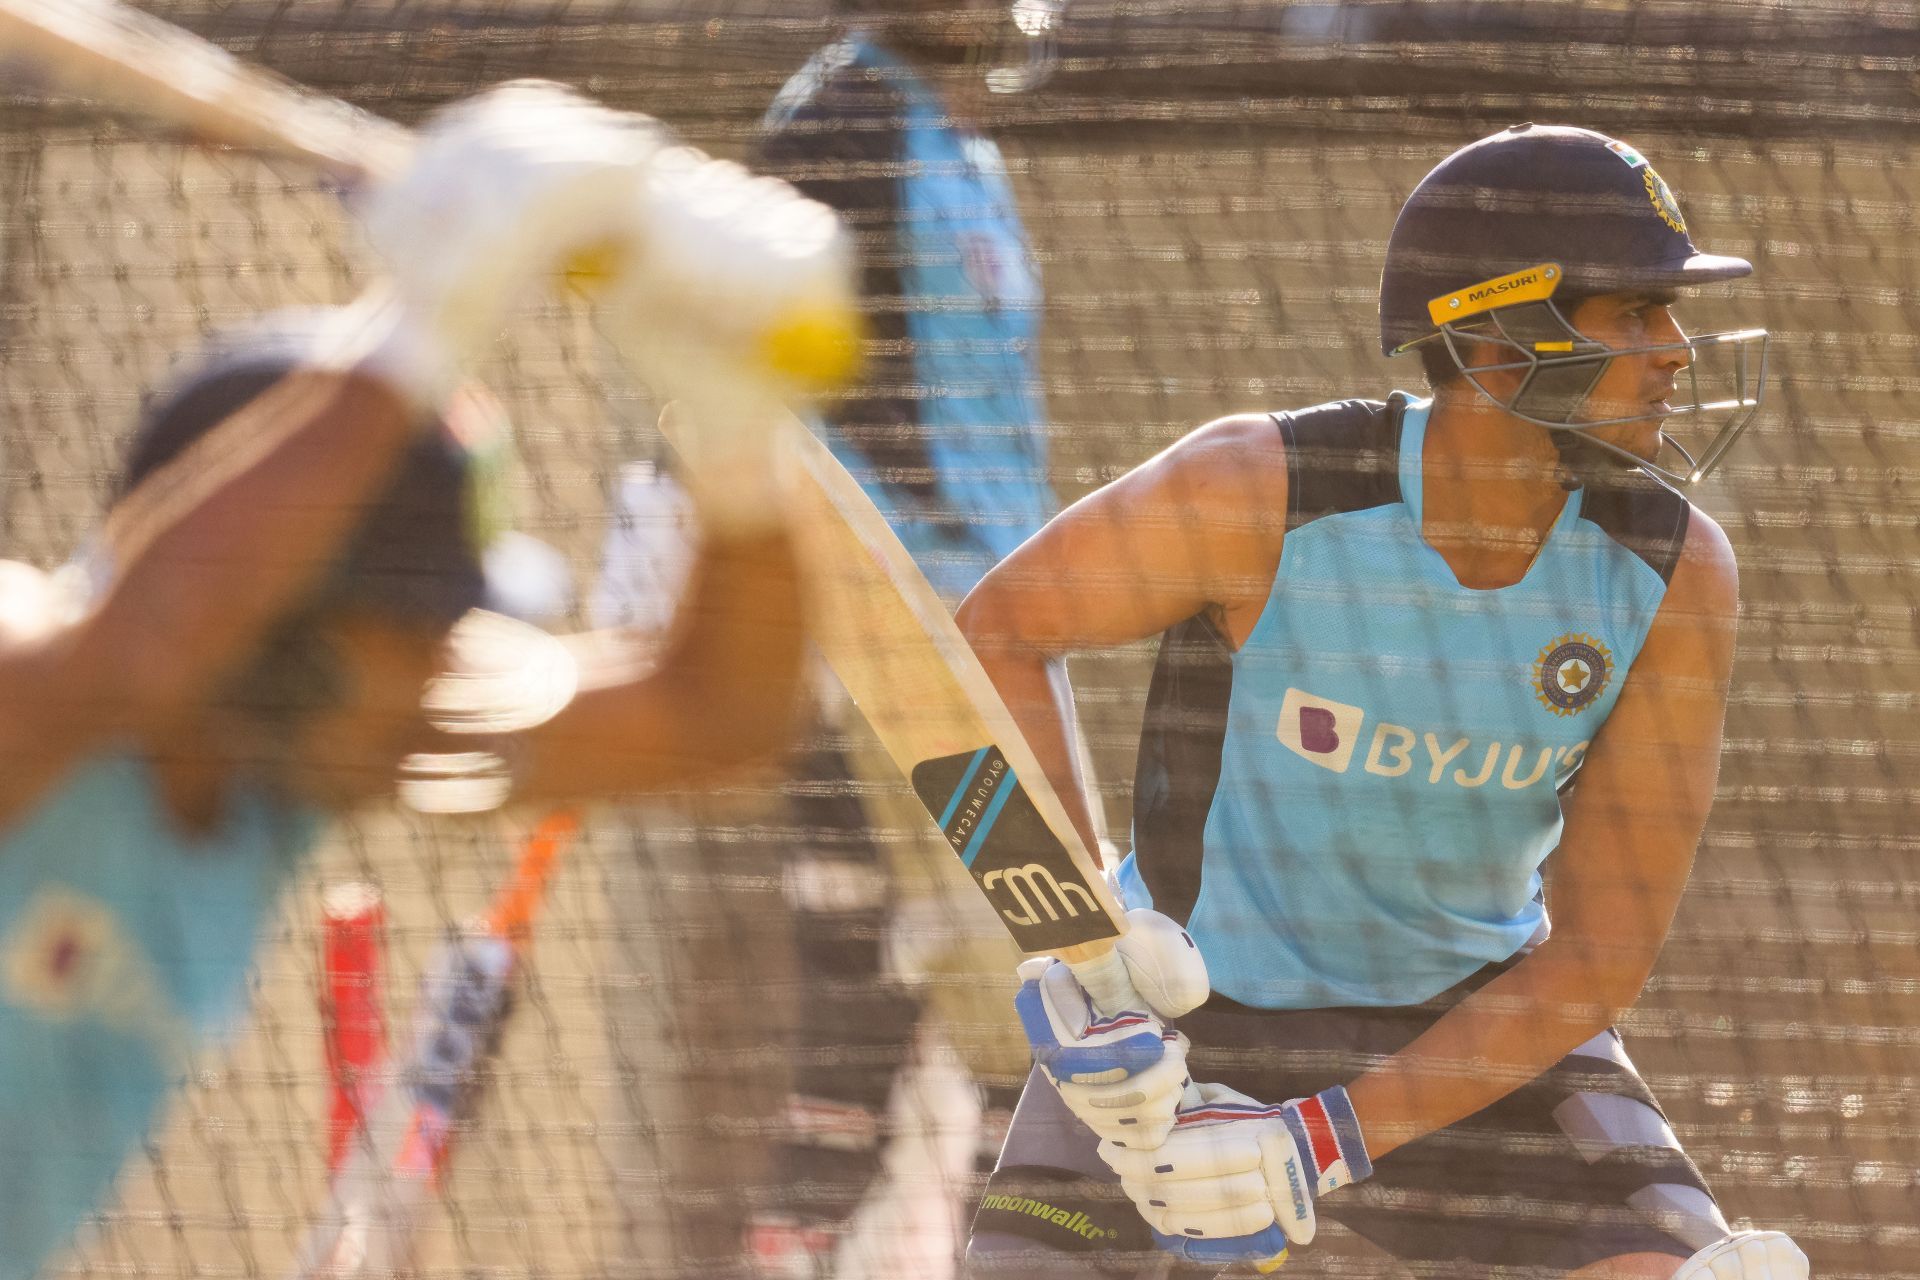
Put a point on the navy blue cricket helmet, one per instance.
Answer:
(1537, 194)
(417, 555)
(428, 547)
(1500, 240)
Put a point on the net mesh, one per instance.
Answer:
(1208, 190)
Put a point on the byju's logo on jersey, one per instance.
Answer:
(1329, 734)
(1571, 673)
(1319, 730)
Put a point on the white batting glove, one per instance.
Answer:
(518, 185)
(741, 298)
(1236, 1181)
(737, 271)
(1747, 1255)
(1105, 1045)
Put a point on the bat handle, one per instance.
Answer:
(1103, 976)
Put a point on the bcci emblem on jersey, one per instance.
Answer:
(1572, 672)
(68, 958)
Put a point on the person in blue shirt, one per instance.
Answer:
(1411, 646)
(300, 526)
(948, 434)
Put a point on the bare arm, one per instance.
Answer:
(723, 697)
(206, 554)
(1631, 828)
(1198, 527)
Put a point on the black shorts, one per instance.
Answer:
(1575, 1166)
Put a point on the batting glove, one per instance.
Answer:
(1117, 1064)
(1747, 1255)
(1237, 1180)
(524, 183)
(741, 298)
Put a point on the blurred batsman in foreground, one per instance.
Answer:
(297, 535)
(1410, 648)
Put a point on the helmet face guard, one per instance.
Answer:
(1555, 368)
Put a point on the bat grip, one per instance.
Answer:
(1104, 978)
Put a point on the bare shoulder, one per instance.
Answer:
(1239, 439)
(1694, 634)
(1235, 459)
(1706, 579)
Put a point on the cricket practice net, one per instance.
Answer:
(1208, 189)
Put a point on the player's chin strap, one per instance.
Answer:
(1747, 1255)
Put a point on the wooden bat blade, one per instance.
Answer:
(139, 64)
(896, 649)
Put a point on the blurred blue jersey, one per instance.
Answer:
(124, 946)
(947, 436)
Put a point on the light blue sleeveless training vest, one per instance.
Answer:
(124, 945)
(1385, 774)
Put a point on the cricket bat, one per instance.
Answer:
(134, 62)
(805, 338)
(902, 659)
(391, 1168)
(889, 638)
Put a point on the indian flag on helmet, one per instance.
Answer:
(1633, 158)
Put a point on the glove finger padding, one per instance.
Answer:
(1747, 1255)
(1138, 1110)
(1190, 1198)
(1069, 1037)
(1229, 1171)
(1241, 1209)
(1193, 1152)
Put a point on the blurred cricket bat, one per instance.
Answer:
(130, 61)
(892, 643)
(391, 1169)
(123, 59)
